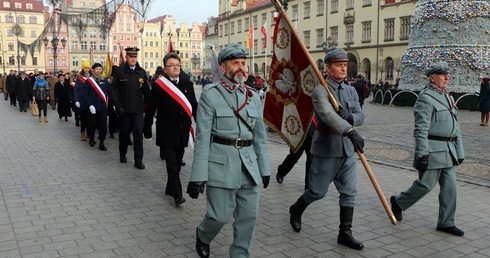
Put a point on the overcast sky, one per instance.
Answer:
(187, 11)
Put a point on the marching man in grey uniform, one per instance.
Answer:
(333, 146)
(230, 155)
(438, 150)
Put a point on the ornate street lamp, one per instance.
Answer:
(330, 44)
(54, 44)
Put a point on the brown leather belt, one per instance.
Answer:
(237, 143)
(452, 138)
(327, 130)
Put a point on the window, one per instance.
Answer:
(264, 19)
(226, 29)
(389, 68)
(21, 19)
(93, 45)
(151, 54)
(156, 54)
(11, 46)
(18, 5)
(334, 33)
(232, 28)
(33, 34)
(320, 6)
(239, 26)
(92, 4)
(74, 61)
(247, 24)
(366, 31)
(32, 19)
(255, 46)
(84, 33)
(50, 62)
(334, 7)
(6, 4)
(319, 37)
(349, 34)
(389, 1)
(11, 60)
(221, 30)
(114, 48)
(366, 3)
(9, 18)
(10, 33)
(404, 28)
(307, 10)
(102, 45)
(1, 60)
(63, 61)
(74, 33)
(389, 29)
(83, 45)
(93, 34)
(23, 60)
(29, 6)
(34, 61)
(74, 45)
(349, 5)
(307, 38)
(255, 19)
(295, 12)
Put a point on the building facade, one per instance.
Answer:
(124, 33)
(373, 32)
(21, 27)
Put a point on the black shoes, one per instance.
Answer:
(162, 155)
(179, 201)
(91, 142)
(139, 165)
(295, 219)
(397, 211)
(202, 249)
(451, 230)
(122, 158)
(345, 238)
(182, 163)
(279, 178)
(102, 146)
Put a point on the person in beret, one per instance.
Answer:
(230, 155)
(438, 150)
(334, 144)
(96, 99)
(129, 91)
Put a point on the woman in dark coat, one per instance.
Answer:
(484, 101)
(62, 94)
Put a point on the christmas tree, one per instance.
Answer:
(457, 32)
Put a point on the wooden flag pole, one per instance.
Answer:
(335, 105)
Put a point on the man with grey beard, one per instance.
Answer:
(230, 155)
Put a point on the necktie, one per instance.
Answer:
(339, 93)
(174, 82)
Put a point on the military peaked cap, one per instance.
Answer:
(230, 52)
(439, 67)
(336, 55)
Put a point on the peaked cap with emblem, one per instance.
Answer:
(336, 55)
(437, 68)
(132, 51)
(230, 52)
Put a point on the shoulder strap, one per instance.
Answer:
(235, 111)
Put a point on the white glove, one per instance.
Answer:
(92, 109)
(77, 104)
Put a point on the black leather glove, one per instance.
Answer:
(460, 161)
(356, 140)
(194, 188)
(266, 180)
(120, 112)
(346, 115)
(422, 163)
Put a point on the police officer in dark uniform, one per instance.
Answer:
(129, 91)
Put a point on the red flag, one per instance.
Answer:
(170, 47)
(249, 43)
(288, 105)
(263, 30)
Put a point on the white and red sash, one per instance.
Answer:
(178, 96)
(97, 89)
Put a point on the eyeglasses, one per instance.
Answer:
(173, 65)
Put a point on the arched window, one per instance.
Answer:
(32, 19)
(9, 18)
(74, 33)
(21, 19)
(389, 68)
(93, 34)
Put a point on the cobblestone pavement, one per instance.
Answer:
(59, 197)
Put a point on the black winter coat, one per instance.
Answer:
(23, 89)
(129, 89)
(173, 123)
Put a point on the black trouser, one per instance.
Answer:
(23, 105)
(83, 118)
(131, 123)
(293, 157)
(42, 104)
(174, 161)
(6, 95)
(97, 121)
(113, 122)
(13, 99)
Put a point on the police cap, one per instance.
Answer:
(230, 52)
(336, 55)
(132, 51)
(437, 68)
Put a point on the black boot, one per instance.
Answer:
(201, 248)
(92, 141)
(102, 146)
(345, 234)
(296, 210)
